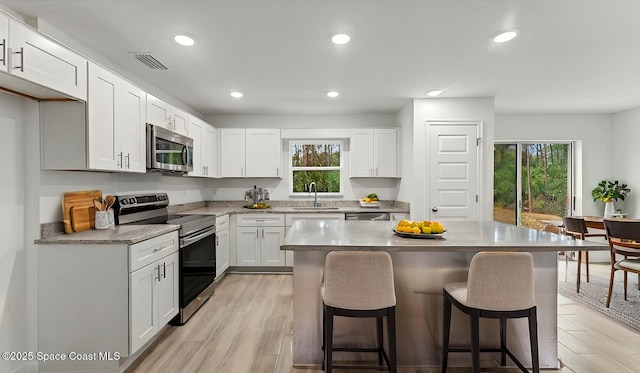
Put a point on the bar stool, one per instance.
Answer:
(359, 284)
(499, 286)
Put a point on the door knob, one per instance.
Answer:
(434, 209)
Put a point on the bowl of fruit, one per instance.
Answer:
(371, 200)
(419, 229)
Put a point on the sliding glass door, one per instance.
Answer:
(532, 183)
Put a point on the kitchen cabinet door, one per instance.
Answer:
(209, 151)
(179, 121)
(39, 59)
(222, 250)
(361, 153)
(143, 311)
(263, 150)
(232, 152)
(270, 240)
(104, 119)
(168, 288)
(196, 129)
(248, 246)
(385, 153)
(4, 38)
(133, 130)
(158, 112)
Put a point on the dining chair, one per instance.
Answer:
(624, 239)
(576, 227)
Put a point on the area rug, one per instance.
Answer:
(593, 294)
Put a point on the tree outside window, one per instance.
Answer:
(319, 162)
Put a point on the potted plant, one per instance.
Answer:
(608, 191)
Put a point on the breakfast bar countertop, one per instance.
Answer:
(311, 235)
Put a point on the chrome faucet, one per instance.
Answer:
(315, 191)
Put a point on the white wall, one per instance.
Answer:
(404, 120)
(626, 155)
(13, 232)
(233, 189)
(454, 109)
(593, 136)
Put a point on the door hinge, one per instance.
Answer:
(478, 141)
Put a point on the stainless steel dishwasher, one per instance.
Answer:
(367, 216)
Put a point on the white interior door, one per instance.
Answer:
(453, 170)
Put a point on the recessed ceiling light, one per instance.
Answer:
(333, 94)
(341, 39)
(504, 36)
(185, 40)
(434, 93)
(236, 94)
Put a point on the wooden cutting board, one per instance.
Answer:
(78, 212)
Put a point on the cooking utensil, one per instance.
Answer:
(109, 200)
(98, 204)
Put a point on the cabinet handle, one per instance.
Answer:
(262, 233)
(21, 53)
(277, 171)
(158, 268)
(4, 52)
(127, 157)
(120, 162)
(164, 270)
(217, 241)
(257, 233)
(377, 171)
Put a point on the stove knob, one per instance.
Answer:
(124, 202)
(132, 201)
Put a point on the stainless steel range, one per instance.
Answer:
(197, 245)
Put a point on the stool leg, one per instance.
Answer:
(380, 337)
(391, 325)
(533, 337)
(475, 341)
(445, 332)
(329, 342)
(503, 342)
(625, 285)
(324, 334)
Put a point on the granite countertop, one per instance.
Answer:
(314, 235)
(222, 210)
(121, 234)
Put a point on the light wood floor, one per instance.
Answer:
(246, 328)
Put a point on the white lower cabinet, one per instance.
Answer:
(122, 293)
(153, 299)
(258, 240)
(222, 244)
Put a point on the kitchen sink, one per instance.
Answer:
(315, 208)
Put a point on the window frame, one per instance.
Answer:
(340, 168)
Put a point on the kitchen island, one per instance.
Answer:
(421, 268)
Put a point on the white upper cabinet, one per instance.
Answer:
(164, 115)
(38, 59)
(263, 152)
(115, 125)
(251, 152)
(374, 153)
(204, 145)
(4, 38)
(158, 112)
(232, 152)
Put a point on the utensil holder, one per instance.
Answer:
(111, 218)
(102, 220)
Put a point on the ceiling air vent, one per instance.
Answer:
(149, 60)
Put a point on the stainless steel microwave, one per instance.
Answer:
(168, 151)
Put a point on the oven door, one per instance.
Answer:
(168, 151)
(197, 269)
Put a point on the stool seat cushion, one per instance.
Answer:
(458, 291)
